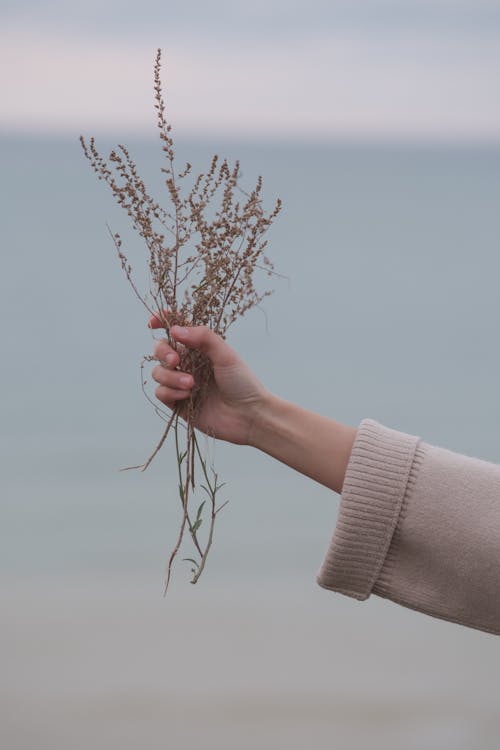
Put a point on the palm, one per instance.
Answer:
(226, 412)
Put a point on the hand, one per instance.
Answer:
(234, 401)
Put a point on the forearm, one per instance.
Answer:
(308, 442)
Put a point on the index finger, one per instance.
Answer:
(158, 320)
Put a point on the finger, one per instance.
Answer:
(164, 352)
(170, 396)
(172, 378)
(205, 340)
(159, 320)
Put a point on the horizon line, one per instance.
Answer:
(270, 139)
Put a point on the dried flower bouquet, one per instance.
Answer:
(202, 253)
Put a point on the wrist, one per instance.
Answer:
(265, 420)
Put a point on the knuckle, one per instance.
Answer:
(160, 374)
(159, 348)
(204, 335)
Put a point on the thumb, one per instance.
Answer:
(207, 341)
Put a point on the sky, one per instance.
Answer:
(425, 69)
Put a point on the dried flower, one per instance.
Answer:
(202, 253)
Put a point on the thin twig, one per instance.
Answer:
(145, 465)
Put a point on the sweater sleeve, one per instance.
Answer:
(419, 525)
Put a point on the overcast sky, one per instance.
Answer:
(317, 69)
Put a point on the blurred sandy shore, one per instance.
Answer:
(114, 665)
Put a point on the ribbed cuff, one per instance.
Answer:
(374, 487)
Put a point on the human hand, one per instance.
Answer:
(234, 400)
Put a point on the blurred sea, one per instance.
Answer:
(390, 311)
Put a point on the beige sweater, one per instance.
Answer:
(419, 525)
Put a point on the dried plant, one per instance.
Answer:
(202, 253)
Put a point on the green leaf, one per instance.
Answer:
(197, 525)
(190, 559)
(198, 512)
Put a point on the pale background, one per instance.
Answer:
(378, 124)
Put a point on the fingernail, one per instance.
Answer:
(185, 380)
(170, 359)
(180, 332)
